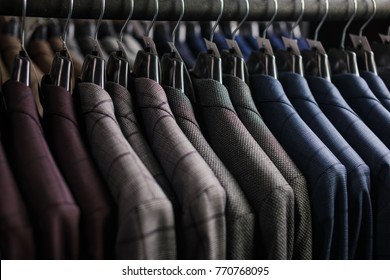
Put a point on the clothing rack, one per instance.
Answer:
(199, 10)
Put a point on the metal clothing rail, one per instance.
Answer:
(199, 10)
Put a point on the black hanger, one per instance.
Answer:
(342, 60)
(315, 60)
(290, 59)
(382, 51)
(208, 64)
(61, 69)
(263, 61)
(94, 70)
(147, 63)
(22, 65)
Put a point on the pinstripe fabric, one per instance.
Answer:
(360, 227)
(241, 98)
(361, 99)
(265, 188)
(324, 172)
(378, 87)
(145, 215)
(16, 233)
(125, 114)
(203, 200)
(53, 212)
(98, 213)
(240, 217)
(369, 147)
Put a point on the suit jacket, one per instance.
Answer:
(16, 232)
(9, 49)
(377, 87)
(369, 147)
(241, 98)
(125, 114)
(4, 74)
(361, 99)
(98, 214)
(265, 188)
(54, 214)
(145, 215)
(240, 217)
(324, 172)
(385, 76)
(201, 196)
(360, 227)
(41, 53)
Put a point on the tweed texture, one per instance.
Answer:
(358, 173)
(361, 99)
(127, 119)
(201, 196)
(265, 188)
(369, 147)
(240, 217)
(16, 232)
(324, 172)
(51, 206)
(146, 228)
(98, 213)
(378, 87)
(241, 98)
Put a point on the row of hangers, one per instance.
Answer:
(170, 70)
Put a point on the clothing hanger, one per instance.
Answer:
(208, 64)
(171, 63)
(290, 59)
(263, 61)
(342, 60)
(118, 66)
(61, 69)
(365, 56)
(22, 64)
(93, 70)
(316, 61)
(147, 63)
(232, 60)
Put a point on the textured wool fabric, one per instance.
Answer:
(377, 87)
(265, 188)
(52, 209)
(360, 223)
(146, 228)
(98, 213)
(9, 49)
(325, 174)
(364, 103)
(125, 114)
(16, 233)
(41, 53)
(369, 147)
(201, 196)
(240, 217)
(241, 98)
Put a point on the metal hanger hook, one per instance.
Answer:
(103, 8)
(276, 8)
(179, 21)
(348, 24)
(322, 20)
(121, 33)
(153, 20)
(369, 19)
(242, 21)
(299, 19)
(218, 20)
(66, 27)
(23, 27)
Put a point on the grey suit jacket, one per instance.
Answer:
(241, 97)
(146, 228)
(125, 114)
(240, 217)
(264, 186)
(203, 200)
